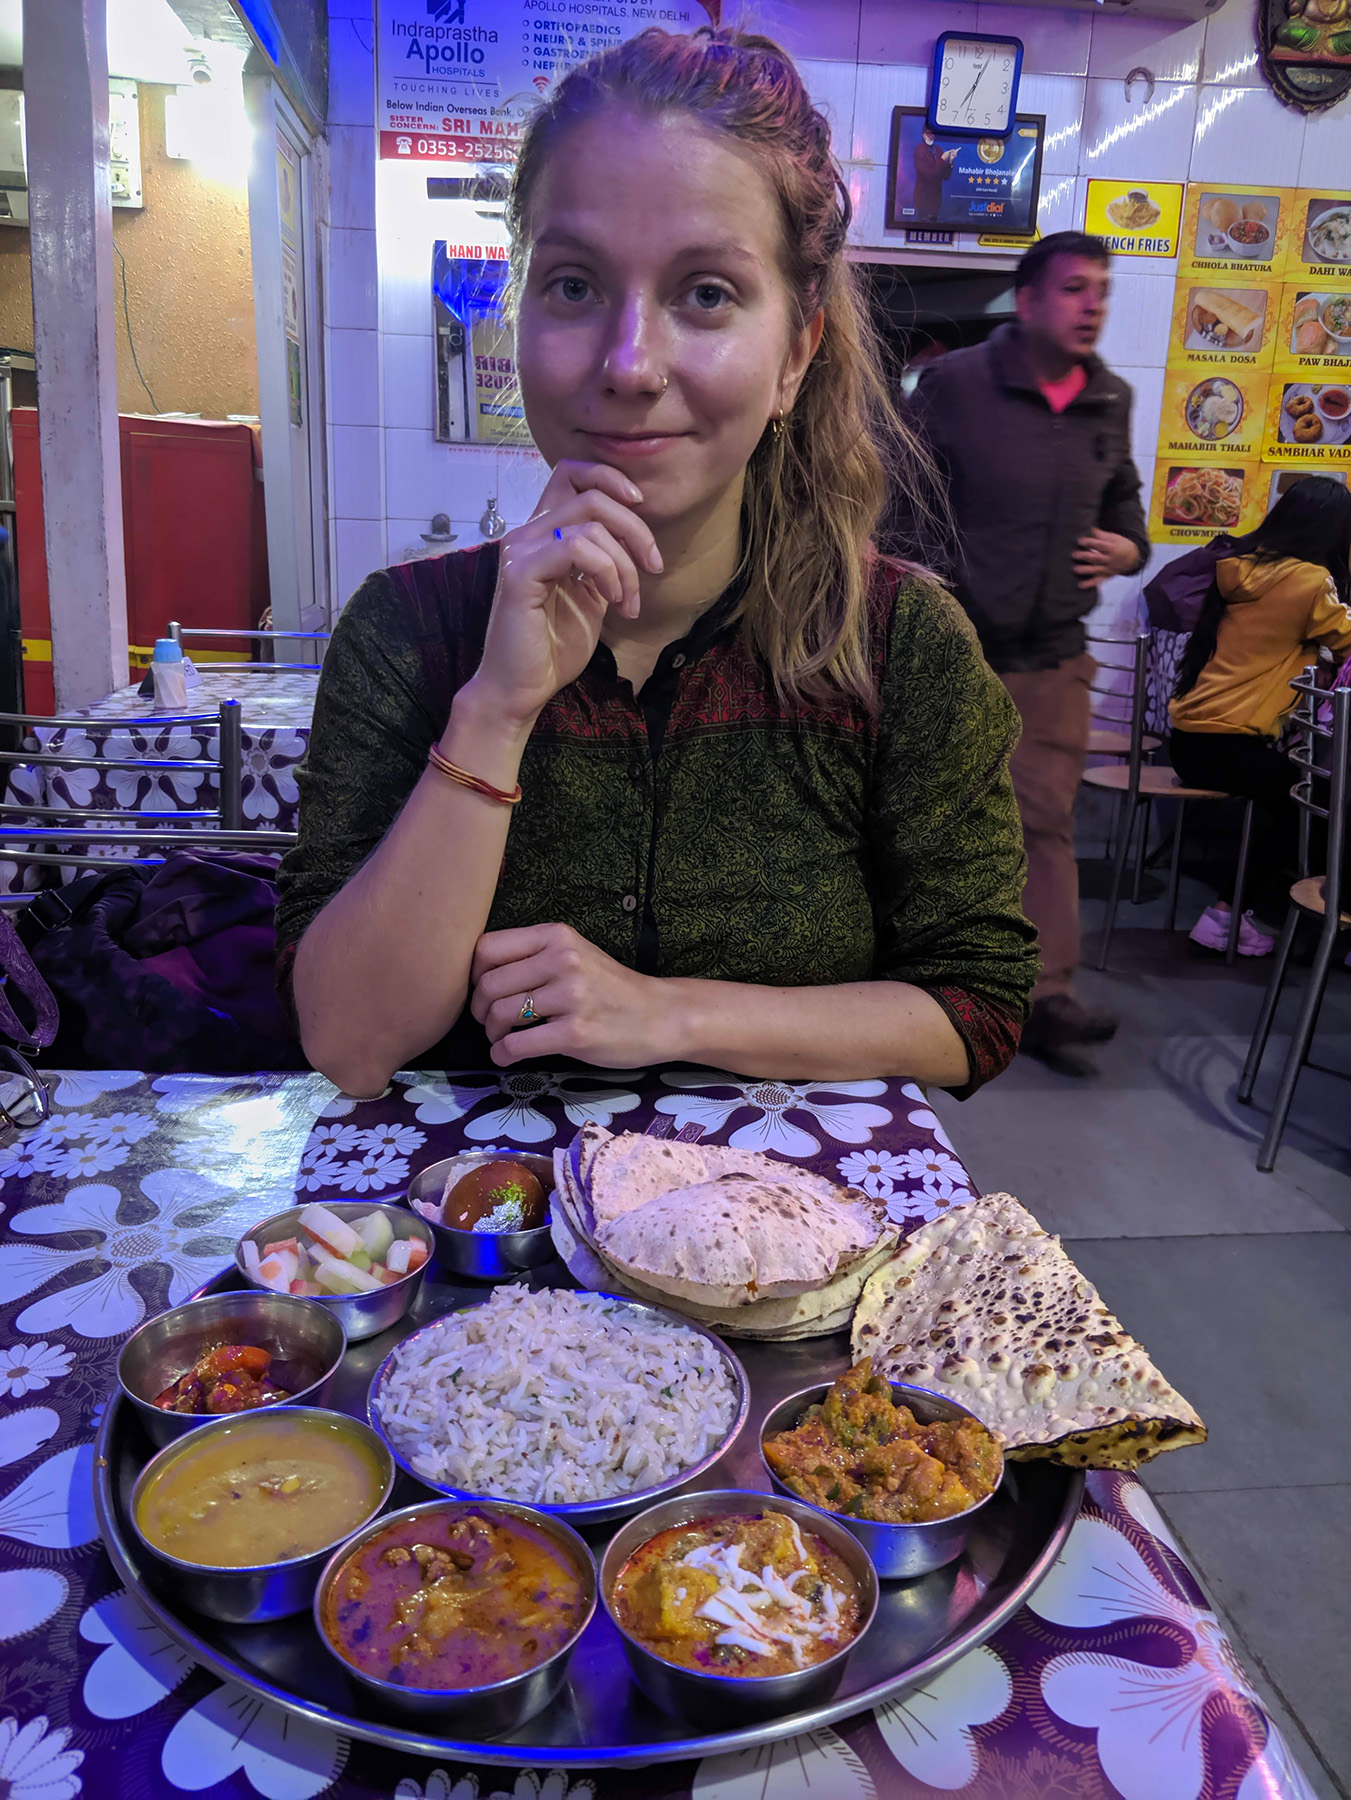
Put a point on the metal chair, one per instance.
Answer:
(1106, 736)
(258, 635)
(221, 826)
(1138, 786)
(1320, 898)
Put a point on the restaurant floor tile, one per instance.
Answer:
(1157, 1147)
(1236, 1282)
(1276, 1558)
(1256, 1332)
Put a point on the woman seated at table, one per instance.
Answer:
(680, 769)
(1283, 593)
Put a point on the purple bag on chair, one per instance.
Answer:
(172, 969)
(19, 976)
(1177, 593)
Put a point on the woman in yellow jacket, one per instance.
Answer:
(1282, 594)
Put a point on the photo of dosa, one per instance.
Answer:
(1202, 496)
(1225, 318)
(1133, 211)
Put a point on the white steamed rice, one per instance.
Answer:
(556, 1397)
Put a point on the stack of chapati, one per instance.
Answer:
(984, 1305)
(753, 1247)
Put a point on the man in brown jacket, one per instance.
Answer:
(1031, 432)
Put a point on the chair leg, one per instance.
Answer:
(1240, 883)
(1299, 1049)
(1175, 865)
(1141, 847)
(1270, 1001)
(1123, 850)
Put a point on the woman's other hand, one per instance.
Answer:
(545, 620)
(589, 1006)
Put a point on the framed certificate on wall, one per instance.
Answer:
(964, 183)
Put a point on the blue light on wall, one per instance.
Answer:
(258, 15)
(469, 289)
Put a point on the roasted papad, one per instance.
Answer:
(985, 1306)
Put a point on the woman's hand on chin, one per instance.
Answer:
(589, 1006)
(577, 557)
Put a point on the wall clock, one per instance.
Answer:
(973, 89)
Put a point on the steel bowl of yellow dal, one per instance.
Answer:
(238, 1518)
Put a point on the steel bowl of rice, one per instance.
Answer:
(584, 1405)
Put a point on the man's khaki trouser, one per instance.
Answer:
(1047, 768)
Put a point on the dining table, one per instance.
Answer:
(1115, 1678)
(276, 710)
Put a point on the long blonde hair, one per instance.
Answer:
(815, 489)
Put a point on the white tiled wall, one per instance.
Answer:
(1210, 117)
(356, 488)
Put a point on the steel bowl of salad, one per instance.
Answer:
(359, 1259)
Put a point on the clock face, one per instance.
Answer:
(975, 88)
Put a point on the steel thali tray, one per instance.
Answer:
(601, 1718)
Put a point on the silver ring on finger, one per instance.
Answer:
(527, 1014)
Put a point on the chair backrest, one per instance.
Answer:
(255, 635)
(222, 824)
(1110, 702)
(1322, 751)
(1133, 697)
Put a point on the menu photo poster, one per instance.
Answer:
(1212, 417)
(1230, 324)
(963, 184)
(457, 79)
(1191, 501)
(1314, 333)
(1228, 231)
(1277, 481)
(1308, 422)
(1318, 249)
(1135, 218)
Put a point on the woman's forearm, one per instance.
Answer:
(848, 1032)
(383, 971)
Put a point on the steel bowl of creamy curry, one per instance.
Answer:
(240, 1516)
(737, 1605)
(906, 1471)
(465, 1609)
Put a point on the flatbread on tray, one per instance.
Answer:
(984, 1305)
(753, 1247)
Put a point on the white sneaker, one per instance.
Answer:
(1211, 931)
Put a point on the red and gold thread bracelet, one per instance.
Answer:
(444, 766)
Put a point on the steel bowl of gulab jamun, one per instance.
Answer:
(488, 1211)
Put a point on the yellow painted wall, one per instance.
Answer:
(189, 286)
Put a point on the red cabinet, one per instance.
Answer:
(193, 528)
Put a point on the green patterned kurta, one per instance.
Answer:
(764, 844)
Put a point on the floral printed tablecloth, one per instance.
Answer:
(277, 707)
(1115, 1680)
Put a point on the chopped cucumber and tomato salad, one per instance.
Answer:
(334, 1256)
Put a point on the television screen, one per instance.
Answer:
(964, 184)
